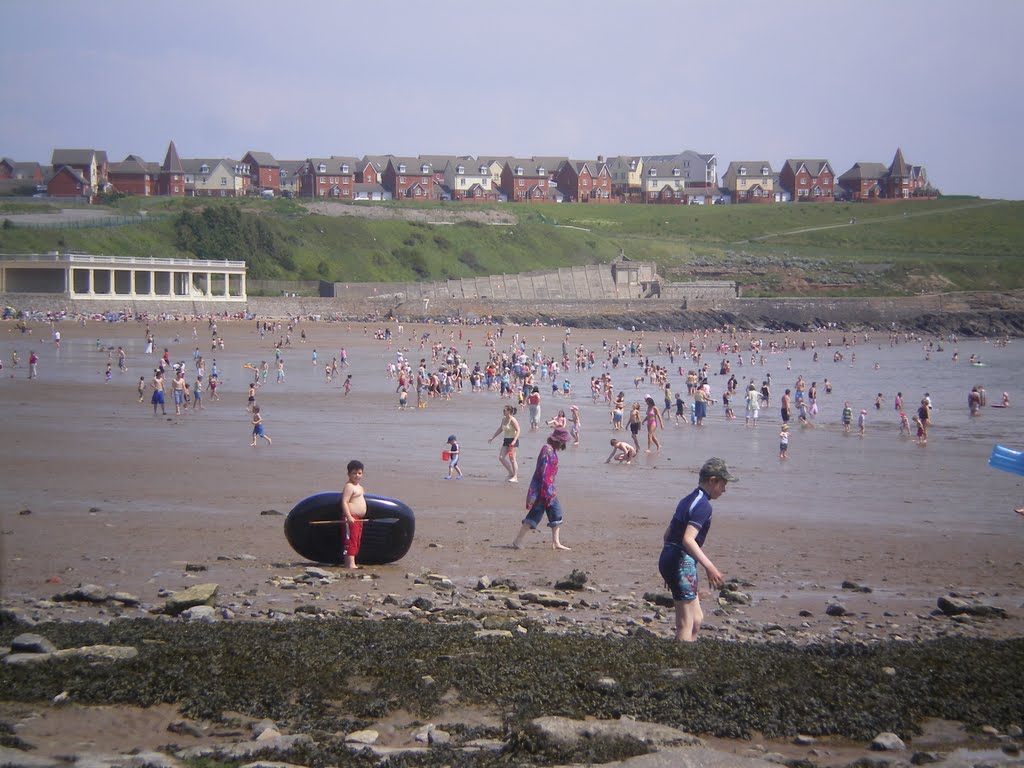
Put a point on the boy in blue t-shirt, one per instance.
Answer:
(683, 548)
(453, 458)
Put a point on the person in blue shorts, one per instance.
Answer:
(683, 548)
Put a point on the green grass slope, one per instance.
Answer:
(787, 249)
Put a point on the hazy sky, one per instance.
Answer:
(764, 80)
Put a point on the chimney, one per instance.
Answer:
(600, 158)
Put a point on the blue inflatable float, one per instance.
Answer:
(1007, 459)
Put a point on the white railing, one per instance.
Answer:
(138, 261)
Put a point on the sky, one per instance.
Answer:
(746, 81)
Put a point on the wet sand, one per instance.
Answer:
(99, 490)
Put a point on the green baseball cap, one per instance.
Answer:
(715, 467)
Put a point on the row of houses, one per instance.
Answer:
(687, 177)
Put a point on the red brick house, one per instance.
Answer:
(525, 180)
(409, 178)
(171, 180)
(265, 172)
(91, 166)
(903, 180)
(585, 181)
(134, 176)
(29, 172)
(808, 181)
(328, 177)
(874, 181)
(69, 182)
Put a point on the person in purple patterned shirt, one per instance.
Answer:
(542, 498)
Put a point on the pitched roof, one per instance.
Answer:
(73, 172)
(333, 164)
(814, 167)
(75, 157)
(898, 167)
(172, 163)
(132, 164)
(192, 165)
(861, 171)
(531, 166)
(262, 159)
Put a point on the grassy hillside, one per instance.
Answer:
(842, 249)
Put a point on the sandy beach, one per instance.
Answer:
(98, 490)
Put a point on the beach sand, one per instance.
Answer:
(99, 490)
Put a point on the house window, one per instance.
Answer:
(344, 167)
(204, 168)
(764, 170)
(652, 172)
(401, 167)
(803, 181)
(223, 181)
(321, 168)
(519, 171)
(675, 172)
(460, 169)
(743, 182)
(424, 168)
(743, 170)
(401, 179)
(522, 183)
(424, 179)
(483, 170)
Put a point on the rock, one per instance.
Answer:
(318, 573)
(887, 741)
(199, 594)
(185, 728)
(606, 683)
(545, 599)
(195, 567)
(925, 758)
(124, 598)
(804, 741)
(84, 593)
(30, 643)
(482, 634)
(16, 758)
(835, 609)
(204, 613)
(61, 698)
(565, 732)
(26, 658)
(244, 749)
(484, 582)
(734, 597)
(98, 653)
(574, 581)
(422, 603)
(855, 587)
(956, 606)
(270, 512)
(661, 599)
(1014, 732)
(363, 737)
(438, 736)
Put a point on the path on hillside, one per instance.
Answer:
(884, 219)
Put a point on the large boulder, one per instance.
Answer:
(199, 594)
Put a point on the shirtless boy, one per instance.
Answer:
(621, 451)
(353, 510)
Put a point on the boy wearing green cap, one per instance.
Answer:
(683, 548)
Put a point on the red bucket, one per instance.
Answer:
(445, 456)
